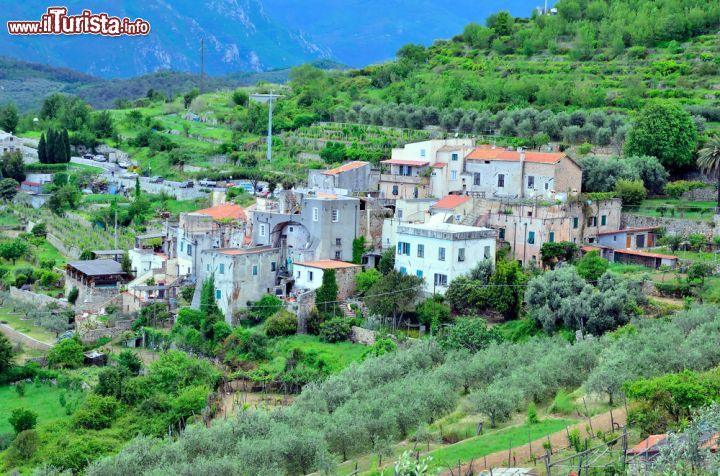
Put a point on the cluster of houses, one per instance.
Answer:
(443, 206)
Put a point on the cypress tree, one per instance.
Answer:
(42, 157)
(66, 140)
(50, 147)
(326, 295)
(59, 148)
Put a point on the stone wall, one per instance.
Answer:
(673, 226)
(363, 336)
(35, 298)
(94, 334)
(71, 252)
(701, 194)
(345, 279)
(377, 217)
(27, 341)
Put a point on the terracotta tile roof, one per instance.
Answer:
(225, 211)
(646, 254)
(628, 230)
(451, 201)
(243, 251)
(647, 444)
(588, 248)
(439, 165)
(712, 443)
(413, 163)
(344, 168)
(328, 264)
(488, 153)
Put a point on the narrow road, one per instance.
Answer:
(558, 440)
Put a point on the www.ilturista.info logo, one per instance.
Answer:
(57, 22)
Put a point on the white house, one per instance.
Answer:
(309, 275)
(440, 252)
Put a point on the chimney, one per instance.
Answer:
(522, 154)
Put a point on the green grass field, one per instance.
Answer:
(43, 400)
(337, 356)
(25, 326)
(493, 441)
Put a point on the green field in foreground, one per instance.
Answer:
(491, 442)
(43, 400)
(25, 326)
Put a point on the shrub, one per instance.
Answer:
(532, 416)
(679, 187)
(283, 323)
(39, 229)
(592, 266)
(585, 149)
(96, 413)
(265, 307)
(314, 320)
(562, 404)
(66, 354)
(24, 446)
(22, 419)
(335, 330)
(433, 313)
(631, 192)
(73, 295)
(365, 279)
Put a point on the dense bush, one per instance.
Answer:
(283, 323)
(335, 330)
(96, 413)
(66, 354)
(631, 192)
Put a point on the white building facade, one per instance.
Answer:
(440, 252)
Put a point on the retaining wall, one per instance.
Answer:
(673, 226)
(35, 298)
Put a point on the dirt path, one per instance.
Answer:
(25, 339)
(558, 440)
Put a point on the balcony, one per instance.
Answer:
(405, 179)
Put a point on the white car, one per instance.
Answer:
(100, 158)
(123, 164)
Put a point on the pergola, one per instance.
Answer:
(97, 272)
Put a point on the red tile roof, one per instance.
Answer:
(451, 201)
(328, 264)
(488, 153)
(412, 163)
(646, 254)
(628, 230)
(647, 444)
(344, 168)
(589, 248)
(244, 251)
(439, 165)
(225, 211)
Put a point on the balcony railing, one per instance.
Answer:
(413, 180)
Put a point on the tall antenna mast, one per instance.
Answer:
(271, 96)
(202, 63)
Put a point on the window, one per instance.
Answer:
(501, 233)
(338, 241)
(575, 222)
(440, 279)
(454, 156)
(262, 230)
(603, 220)
(403, 248)
(547, 185)
(441, 254)
(273, 266)
(337, 254)
(218, 294)
(316, 214)
(551, 237)
(291, 229)
(335, 214)
(501, 180)
(421, 251)
(453, 175)
(422, 152)
(399, 213)
(531, 182)
(461, 254)
(592, 221)
(310, 275)
(221, 268)
(298, 275)
(403, 270)
(189, 249)
(476, 178)
(255, 270)
(531, 238)
(486, 252)
(418, 273)
(182, 246)
(395, 190)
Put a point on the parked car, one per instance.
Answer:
(87, 191)
(100, 158)
(124, 164)
(208, 183)
(156, 179)
(88, 157)
(129, 175)
(187, 184)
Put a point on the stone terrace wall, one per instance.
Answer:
(35, 298)
(673, 226)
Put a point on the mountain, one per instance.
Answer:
(245, 35)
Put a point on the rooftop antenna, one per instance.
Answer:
(202, 63)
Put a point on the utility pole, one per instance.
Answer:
(271, 96)
(202, 64)
(116, 231)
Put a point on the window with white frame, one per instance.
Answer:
(221, 268)
(476, 178)
(420, 251)
(501, 180)
(335, 215)
(531, 182)
(453, 175)
(263, 230)
(316, 214)
(441, 254)
(403, 248)
(440, 279)
(454, 156)
(461, 254)
(255, 270)
(310, 275)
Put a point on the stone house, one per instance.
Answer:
(352, 177)
(317, 226)
(501, 173)
(309, 275)
(242, 276)
(97, 281)
(411, 210)
(440, 252)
